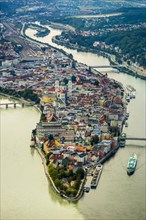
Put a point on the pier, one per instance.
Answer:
(15, 104)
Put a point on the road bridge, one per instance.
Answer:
(16, 104)
(107, 66)
(135, 138)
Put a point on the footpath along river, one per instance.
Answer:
(25, 192)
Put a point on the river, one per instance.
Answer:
(25, 192)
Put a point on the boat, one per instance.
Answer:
(122, 140)
(128, 98)
(96, 176)
(131, 164)
(133, 94)
(86, 189)
(126, 116)
(126, 123)
(130, 88)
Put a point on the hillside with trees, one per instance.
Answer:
(131, 43)
(123, 35)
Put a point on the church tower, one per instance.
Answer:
(57, 85)
(70, 86)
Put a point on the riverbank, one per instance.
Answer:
(70, 199)
(21, 100)
(23, 30)
(81, 189)
(126, 69)
(15, 98)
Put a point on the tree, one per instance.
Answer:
(95, 140)
(50, 138)
(53, 173)
(65, 80)
(70, 56)
(71, 191)
(77, 184)
(57, 183)
(34, 131)
(43, 117)
(96, 83)
(62, 140)
(48, 158)
(73, 78)
(80, 173)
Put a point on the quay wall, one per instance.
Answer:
(108, 155)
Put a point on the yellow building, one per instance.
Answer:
(43, 68)
(50, 98)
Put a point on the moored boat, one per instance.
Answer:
(126, 123)
(131, 164)
(133, 94)
(122, 140)
(128, 98)
(130, 88)
(96, 176)
(86, 189)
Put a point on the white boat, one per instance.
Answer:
(126, 123)
(86, 189)
(128, 98)
(133, 94)
(131, 166)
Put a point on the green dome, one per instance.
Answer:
(63, 83)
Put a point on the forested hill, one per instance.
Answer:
(131, 43)
(129, 16)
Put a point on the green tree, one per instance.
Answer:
(48, 158)
(77, 184)
(71, 192)
(57, 183)
(65, 80)
(43, 117)
(80, 173)
(53, 174)
(73, 78)
(95, 139)
(50, 138)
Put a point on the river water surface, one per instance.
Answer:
(25, 192)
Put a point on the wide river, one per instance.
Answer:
(25, 191)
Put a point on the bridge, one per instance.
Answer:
(107, 66)
(17, 103)
(135, 138)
